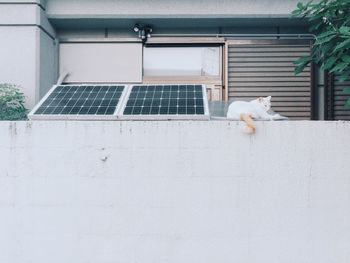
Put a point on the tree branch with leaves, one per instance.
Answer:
(330, 22)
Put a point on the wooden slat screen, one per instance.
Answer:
(266, 69)
(337, 99)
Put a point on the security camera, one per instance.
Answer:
(148, 31)
(136, 28)
(143, 32)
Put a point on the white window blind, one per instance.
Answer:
(181, 61)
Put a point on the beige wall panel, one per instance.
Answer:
(101, 62)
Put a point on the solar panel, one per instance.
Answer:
(166, 102)
(79, 102)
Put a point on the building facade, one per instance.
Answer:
(238, 49)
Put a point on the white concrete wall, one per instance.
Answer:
(169, 8)
(103, 192)
(18, 58)
(27, 49)
(47, 67)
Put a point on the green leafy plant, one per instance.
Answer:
(12, 103)
(330, 22)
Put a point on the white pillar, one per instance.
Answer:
(27, 48)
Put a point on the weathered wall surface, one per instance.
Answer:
(81, 192)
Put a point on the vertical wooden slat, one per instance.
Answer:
(331, 97)
(337, 98)
(226, 71)
(313, 95)
(325, 94)
(262, 68)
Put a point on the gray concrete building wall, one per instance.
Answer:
(169, 8)
(27, 48)
(48, 63)
(178, 28)
(18, 59)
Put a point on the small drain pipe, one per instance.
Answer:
(62, 77)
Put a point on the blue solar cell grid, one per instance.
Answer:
(81, 100)
(165, 100)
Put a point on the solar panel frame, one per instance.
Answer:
(204, 116)
(114, 116)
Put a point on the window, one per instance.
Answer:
(186, 62)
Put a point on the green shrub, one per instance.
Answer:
(12, 103)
